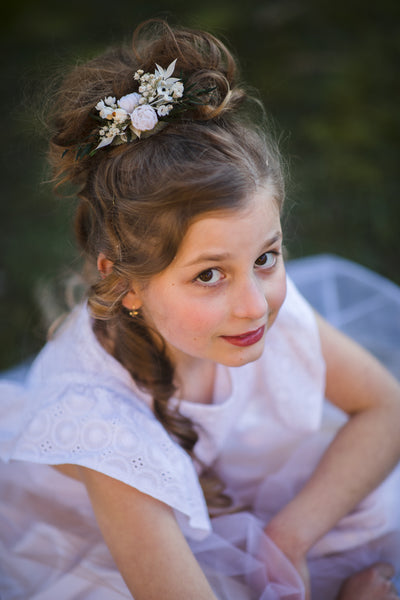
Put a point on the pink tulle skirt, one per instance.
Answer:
(51, 547)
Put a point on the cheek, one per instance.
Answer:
(277, 296)
(197, 317)
(187, 318)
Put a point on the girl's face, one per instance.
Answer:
(224, 288)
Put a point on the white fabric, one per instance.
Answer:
(80, 406)
(363, 304)
(263, 434)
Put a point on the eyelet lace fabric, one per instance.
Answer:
(86, 411)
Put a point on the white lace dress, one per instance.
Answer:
(264, 433)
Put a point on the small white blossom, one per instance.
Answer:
(110, 100)
(164, 92)
(177, 90)
(105, 111)
(120, 115)
(163, 110)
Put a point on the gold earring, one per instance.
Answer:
(133, 312)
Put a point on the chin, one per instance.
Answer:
(243, 358)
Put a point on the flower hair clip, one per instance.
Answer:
(145, 111)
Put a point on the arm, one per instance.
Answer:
(145, 541)
(362, 454)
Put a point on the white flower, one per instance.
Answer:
(105, 111)
(164, 92)
(177, 90)
(120, 115)
(163, 110)
(129, 102)
(143, 118)
(110, 100)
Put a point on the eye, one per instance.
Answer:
(267, 260)
(209, 276)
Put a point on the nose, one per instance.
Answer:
(250, 300)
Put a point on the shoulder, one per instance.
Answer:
(74, 352)
(86, 411)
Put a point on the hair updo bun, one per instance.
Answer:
(137, 199)
(203, 62)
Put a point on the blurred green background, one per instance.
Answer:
(328, 73)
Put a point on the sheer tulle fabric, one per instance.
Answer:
(51, 548)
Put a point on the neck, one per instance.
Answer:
(195, 382)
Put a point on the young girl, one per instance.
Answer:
(180, 410)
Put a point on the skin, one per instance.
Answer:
(224, 281)
(370, 584)
(227, 279)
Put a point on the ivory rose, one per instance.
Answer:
(129, 102)
(143, 118)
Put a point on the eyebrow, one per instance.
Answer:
(225, 255)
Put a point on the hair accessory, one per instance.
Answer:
(144, 111)
(134, 312)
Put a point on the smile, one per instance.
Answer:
(246, 339)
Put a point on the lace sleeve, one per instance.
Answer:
(116, 434)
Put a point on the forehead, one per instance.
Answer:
(257, 220)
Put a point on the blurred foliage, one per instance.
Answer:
(327, 73)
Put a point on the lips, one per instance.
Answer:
(246, 339)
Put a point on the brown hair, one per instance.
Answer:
(137, 199)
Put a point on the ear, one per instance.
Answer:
(132, 300)
(104, 265)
